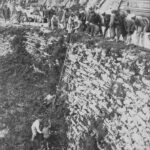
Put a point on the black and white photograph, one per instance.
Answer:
(74, 74)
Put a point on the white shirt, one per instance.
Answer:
(36, 126)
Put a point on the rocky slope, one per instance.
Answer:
(108, 84)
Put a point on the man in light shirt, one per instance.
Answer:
(35, 128)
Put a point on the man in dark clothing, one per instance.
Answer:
(129, 27)
(98, 22)
(92, 27)
(82, 18)
(122, 24)
(51, 12)
(65, 17)
(45, 15)
(106, 22)
(117, 25)
(114, 24)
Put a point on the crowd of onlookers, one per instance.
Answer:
(119, 22)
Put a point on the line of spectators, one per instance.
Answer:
(117, 22)
(120, 23)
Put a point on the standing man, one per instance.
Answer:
(65, 17)
(55, 22)
(6, 13)
(92, 27)
(114, 24)
(35, 128)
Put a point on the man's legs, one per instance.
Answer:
(129, 38)
(105, 31)
(34, 133)
(96, 29)
(112, 32)
(92, 26)
(45, 144)
(49, 23)
(138, 34)
(118, 33)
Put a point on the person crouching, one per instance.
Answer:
(35, 128)
(92, 28)
(130, 27)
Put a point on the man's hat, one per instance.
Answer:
(91, 9)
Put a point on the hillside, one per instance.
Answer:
(28, 73)
(102, 88)
(108, 90)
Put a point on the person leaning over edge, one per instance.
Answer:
(35, 128)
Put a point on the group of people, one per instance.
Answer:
(119, 22)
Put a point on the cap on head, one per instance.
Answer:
(72, 14)
(128, 11)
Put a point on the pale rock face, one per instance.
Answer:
(90, 95)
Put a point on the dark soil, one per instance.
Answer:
(22, 91)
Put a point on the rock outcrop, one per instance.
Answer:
(113, 86)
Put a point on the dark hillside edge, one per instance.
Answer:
(24, 83)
